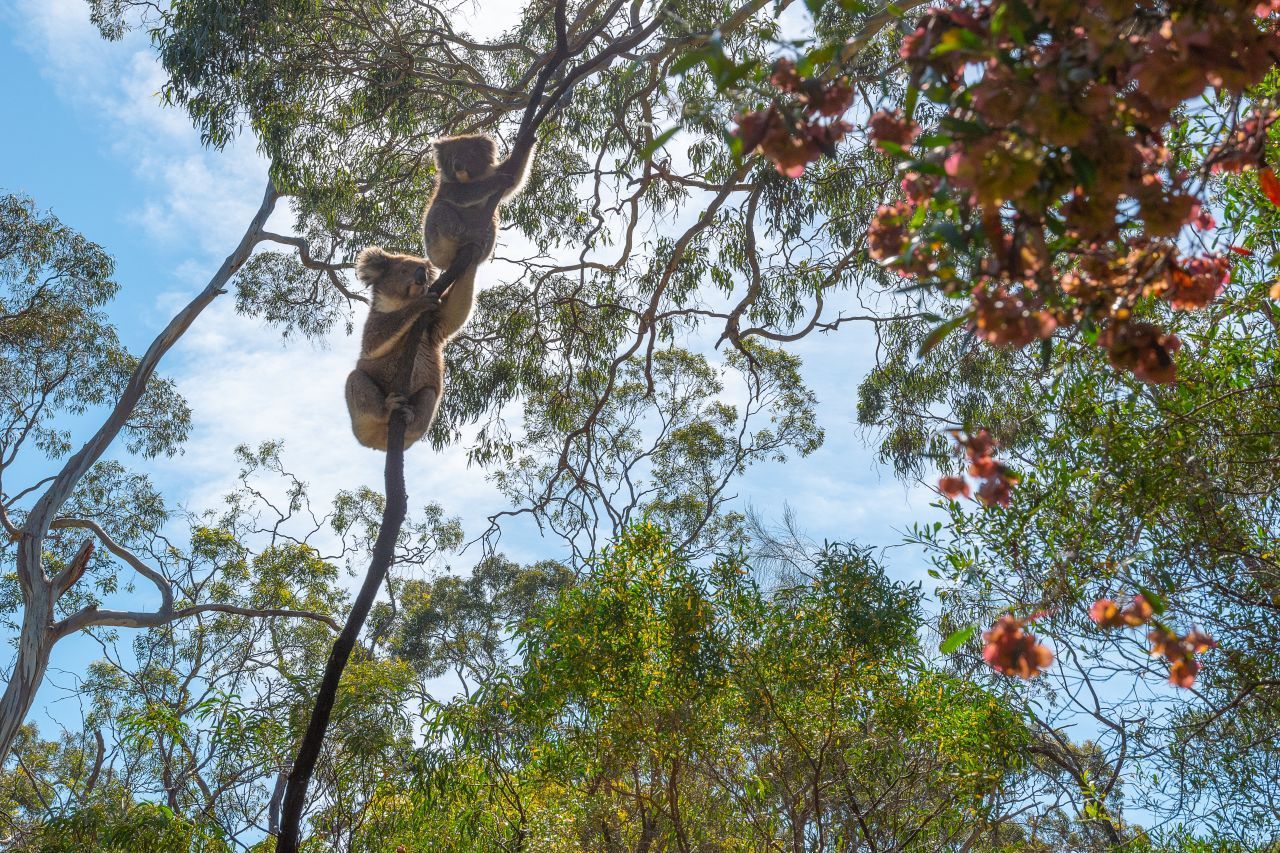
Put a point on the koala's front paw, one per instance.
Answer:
(398, 401)
(430, 301)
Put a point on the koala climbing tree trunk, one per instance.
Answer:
(295, 794)
(540, 107)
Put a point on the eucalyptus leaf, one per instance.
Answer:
(957, 639)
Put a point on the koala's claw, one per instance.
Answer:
(399, 402)
(432, 301)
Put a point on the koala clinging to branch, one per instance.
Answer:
(400, 295)
(470, 184)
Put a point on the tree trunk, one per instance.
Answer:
(393, 513)
(39, 593)
(35, 644)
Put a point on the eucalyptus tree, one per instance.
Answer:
(344, 99)
(670, 448)
(201, 716)
(1127, 487)
(60, 356)
(637, 228)
(663, 704)
(642, 230)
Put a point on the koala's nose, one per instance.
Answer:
(420, 276)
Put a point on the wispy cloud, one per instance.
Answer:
(195, 199)
(245, 386)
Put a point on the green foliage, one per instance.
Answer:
(459, 623)
(278, 288)
(60, 798)
(58, 353)
(60, 358)
(138, 826)
(202, 715)
(691, 706)
(902, 396)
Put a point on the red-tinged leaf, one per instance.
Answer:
(1270, 185)
(1106, 614)
(953, 487)
(1241, 250)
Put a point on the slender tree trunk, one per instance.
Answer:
(35, 644)
(295, 795)
(277, 797)
(39, 592)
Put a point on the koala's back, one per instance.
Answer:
(428, 366)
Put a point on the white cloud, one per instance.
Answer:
(246, 387)
(58, 34)
(487, 20)
(198, 198)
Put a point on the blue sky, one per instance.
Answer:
(88, 139)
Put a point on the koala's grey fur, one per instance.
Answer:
(399, 284)
(467, 179)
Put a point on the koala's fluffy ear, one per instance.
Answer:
(371, 264)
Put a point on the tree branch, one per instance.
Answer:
(307, 260)
(92, 617)
(304, 252)
(63, 582)
(99, 755)
(397, 502)
(77, 466)
(9, 527)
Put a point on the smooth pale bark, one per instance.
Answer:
(40, 593)
(34, 646)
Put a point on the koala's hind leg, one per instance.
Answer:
(424, 405)
(441, 229)
(441, 249)
(368, 407)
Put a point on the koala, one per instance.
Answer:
(463, 208)
(399, 284)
